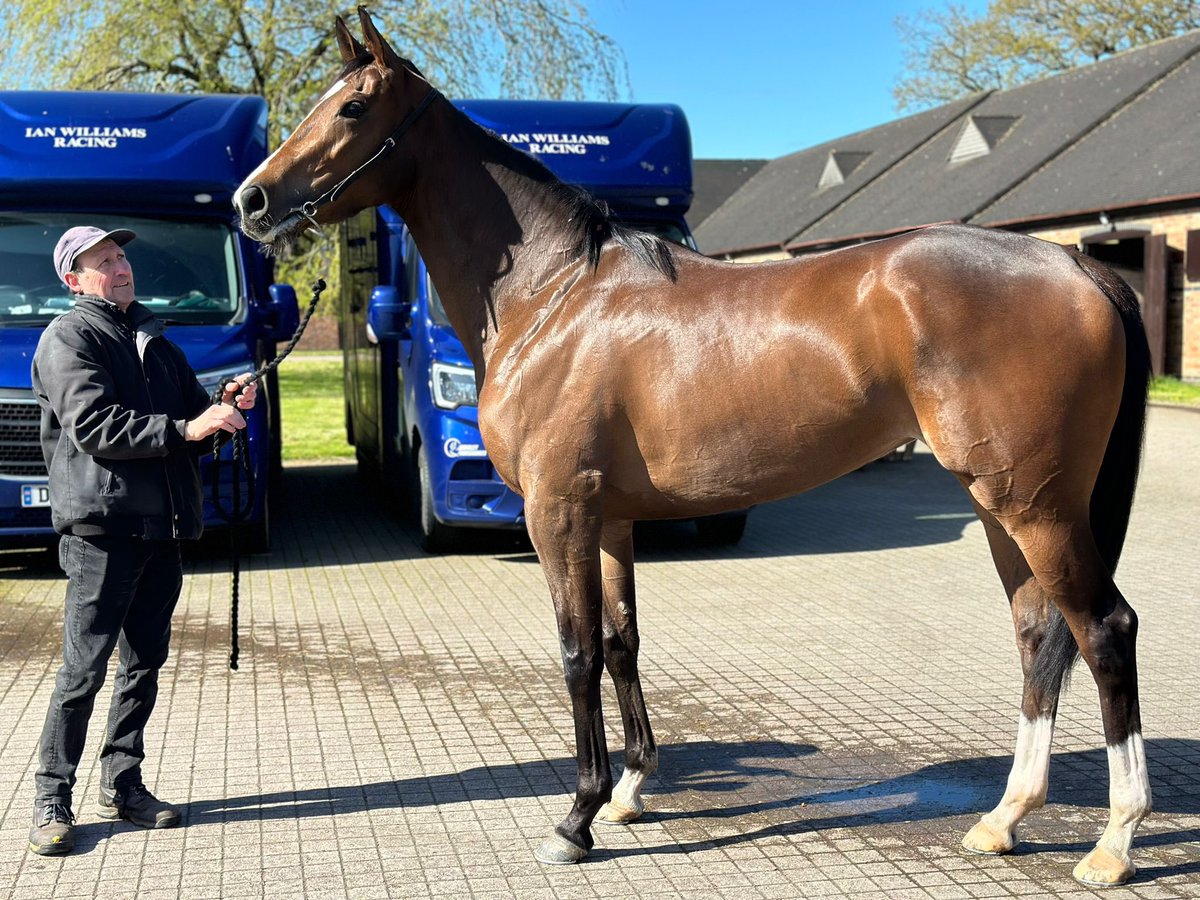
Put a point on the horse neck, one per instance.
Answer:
(488, 221)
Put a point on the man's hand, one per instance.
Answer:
(218, 417)
(244, 399)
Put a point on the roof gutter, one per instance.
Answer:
(1090, 212)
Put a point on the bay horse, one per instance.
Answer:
(621, 378)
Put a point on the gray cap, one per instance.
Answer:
(84, 237)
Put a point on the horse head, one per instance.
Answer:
(324, 173)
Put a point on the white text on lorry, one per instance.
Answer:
(64, 136)
(549, 143)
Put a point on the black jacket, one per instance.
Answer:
(115, 396)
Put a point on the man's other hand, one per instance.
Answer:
(244, 396)
(218, 417)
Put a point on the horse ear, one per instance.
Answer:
(378, 47)
(349, 46)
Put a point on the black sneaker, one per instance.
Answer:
(137, 805)
(53, 831)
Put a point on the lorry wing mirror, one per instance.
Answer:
(282, 312)
(388, 319)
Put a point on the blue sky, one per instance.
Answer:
(757, 79)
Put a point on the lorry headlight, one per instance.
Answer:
(453, 386)
(211, 379)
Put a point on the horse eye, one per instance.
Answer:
(354, 109)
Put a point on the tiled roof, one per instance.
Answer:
(1121, 132)
(714, 181)
(783, 198)
(1148, 150)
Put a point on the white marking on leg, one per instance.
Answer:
(1128, 794)
(628, 791)
(1129, 802)
(1028, 783)
(626, 804)
(1029, 779)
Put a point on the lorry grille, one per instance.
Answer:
(20, 447)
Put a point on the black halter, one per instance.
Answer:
(309, 208)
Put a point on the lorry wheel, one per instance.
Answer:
(434, 537)
(722, 531)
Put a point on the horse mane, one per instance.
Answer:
(595, 226)
(361, 61)
(592, 218)
(365, 58)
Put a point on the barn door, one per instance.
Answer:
(1154, 300)
(1141, 258)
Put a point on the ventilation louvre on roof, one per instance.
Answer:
(979, 136)
(839, 166)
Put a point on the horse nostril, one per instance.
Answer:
(252, 202)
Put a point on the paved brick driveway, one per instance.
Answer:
(835, 698)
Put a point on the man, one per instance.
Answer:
(120, 412)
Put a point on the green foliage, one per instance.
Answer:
(312, 407)
(949, 53)
(313, 258)
(1174, 391)
(287, 52)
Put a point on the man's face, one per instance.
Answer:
(103, 271)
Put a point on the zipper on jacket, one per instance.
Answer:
(165, 467)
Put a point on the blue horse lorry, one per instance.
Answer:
(411, 411)
(165, 166)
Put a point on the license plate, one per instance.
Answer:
(35, 495)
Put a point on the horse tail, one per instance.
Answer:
(1112, 495)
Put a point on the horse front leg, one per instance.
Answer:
(621, 658)
(566, 535)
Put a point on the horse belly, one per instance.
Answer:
(730, 450)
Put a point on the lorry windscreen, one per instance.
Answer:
(185, 272)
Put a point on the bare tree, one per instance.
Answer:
(949, 53)
(286, 51)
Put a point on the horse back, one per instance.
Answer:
(736, 384)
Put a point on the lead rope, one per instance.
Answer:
(242, 467)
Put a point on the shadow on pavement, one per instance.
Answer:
(778, 789)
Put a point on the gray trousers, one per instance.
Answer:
(121, 593)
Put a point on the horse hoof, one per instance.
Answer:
(556, 850)
(614, 813)
(1102, 869)
(985, 839)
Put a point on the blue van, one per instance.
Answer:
(411, 411)
(165, 166)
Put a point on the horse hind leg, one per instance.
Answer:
(1106, 632)
(620, 657)
(1040, 630)
(1062, 555)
